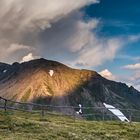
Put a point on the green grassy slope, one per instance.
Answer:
(27, 126)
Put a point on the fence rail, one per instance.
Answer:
(91, 113)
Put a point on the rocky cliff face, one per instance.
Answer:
(50, 82)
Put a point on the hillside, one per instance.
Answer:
(23, 126)
(52, 83)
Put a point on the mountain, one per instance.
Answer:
(52, 83)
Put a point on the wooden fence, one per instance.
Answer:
(98, 113)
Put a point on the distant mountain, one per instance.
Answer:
(52, 83)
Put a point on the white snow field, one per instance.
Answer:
(116, 112)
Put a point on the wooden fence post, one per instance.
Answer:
(111, 117)
(74, 113)
(130, 116)
(103, 114)
(5, 105)
(42, 111)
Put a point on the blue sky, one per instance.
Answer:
(119, 19)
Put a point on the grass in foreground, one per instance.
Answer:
(28, 126)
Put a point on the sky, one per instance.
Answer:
(100, 35)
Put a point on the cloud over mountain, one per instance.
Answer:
(52, 30)
(22, 20)
(107, 74)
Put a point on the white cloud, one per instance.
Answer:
(83, 35)
(137, 87)
(15, 47)
(134, 38)
(107, 74)
(7, 50)
(136, 75)
(97, 51)
(30, 15)
(128, 57)
(29, 57)
(132, 66)
(75, 42)
(132, 80)
(21, 21)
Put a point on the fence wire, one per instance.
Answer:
(88, 113)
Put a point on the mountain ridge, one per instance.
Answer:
(32, 82)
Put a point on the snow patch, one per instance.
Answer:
(51, 72)
(4, 71)
(116, 112)
(80, 109)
